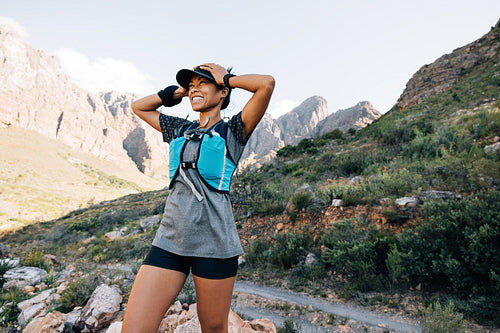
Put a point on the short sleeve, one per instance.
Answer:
(236, 126)
(170, 125)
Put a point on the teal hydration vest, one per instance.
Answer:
(214, 164)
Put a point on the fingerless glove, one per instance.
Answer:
(167, 96)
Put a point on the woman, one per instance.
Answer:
(197, 231)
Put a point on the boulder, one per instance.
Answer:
(23, 276)
(100, 310)
(311, 259)
(113, 235)
(70, 319)
(263, 325)
(51, 260)
(12, 262)
(406, 202)
(336, 202)
(149, 222)
(495, 148)
(356, 180)
(30, 312)
(51, 323)
(116, 327)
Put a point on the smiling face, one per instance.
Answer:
(204, 94)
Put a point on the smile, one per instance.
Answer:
(197, 99)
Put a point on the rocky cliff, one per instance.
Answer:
(442, 74)
(358, 116)
(310, 119)
(36, 94)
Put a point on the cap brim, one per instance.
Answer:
(184, 76)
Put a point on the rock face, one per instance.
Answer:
(301, 122)
(356, 117)
(36, 94)
(101, 309)
(442, 74)
(309, 119)
(23, 276)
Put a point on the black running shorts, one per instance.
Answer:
(208, 268)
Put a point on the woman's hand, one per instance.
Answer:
(217, 72)
(180, 93)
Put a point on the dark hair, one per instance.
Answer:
(225, 104)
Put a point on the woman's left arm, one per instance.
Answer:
(261, 86)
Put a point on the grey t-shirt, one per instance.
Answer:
(194, 227)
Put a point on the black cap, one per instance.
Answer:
(184, 77)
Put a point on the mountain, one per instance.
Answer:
(446, 71)
(308, 120)
(356, 117)
(301, 122)
(36, 94)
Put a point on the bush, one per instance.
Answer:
(302, 200)
(289, 326)
(458, 245)
(436, 319)
(34, 258)
(78, 293)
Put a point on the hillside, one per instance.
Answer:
(402, 214)
(42, 178)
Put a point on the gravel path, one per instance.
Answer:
(347, 311)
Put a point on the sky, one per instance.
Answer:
(346, 51)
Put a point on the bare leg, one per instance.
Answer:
(213, 303)
(153, 292)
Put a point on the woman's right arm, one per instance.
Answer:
(146, 107)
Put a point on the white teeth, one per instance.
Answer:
(197, 99)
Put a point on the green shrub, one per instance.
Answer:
(302, 200)
(34, 258)
(438, 319)
(289, 326)
(78, 293)
(349, 249)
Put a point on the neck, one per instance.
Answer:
(214, 117)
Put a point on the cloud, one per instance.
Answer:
(103, 74)
(13, 25)
(282, 107)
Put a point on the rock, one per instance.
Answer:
(336, 202)
(51, 260)
(406, 202)
(241, 260)
(23, 276)
(263, 325)
(439, 194)
(101, 309)
(494, 148)
(51, 323)
(356, 180)
(28, 289)
(175, 308)
(279, 226)
(66, 273)
(4, 251)
(12, 262)
(113, 235)
(311, 259)
(30, 312)
(447, 70)
(170, 322)
(71, 318)
(356, 117)
(116, 327)
(40, 298)
(149, 222)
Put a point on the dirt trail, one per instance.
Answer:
(356, 313)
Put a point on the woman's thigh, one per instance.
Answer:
(213, 302)
(153, 292)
